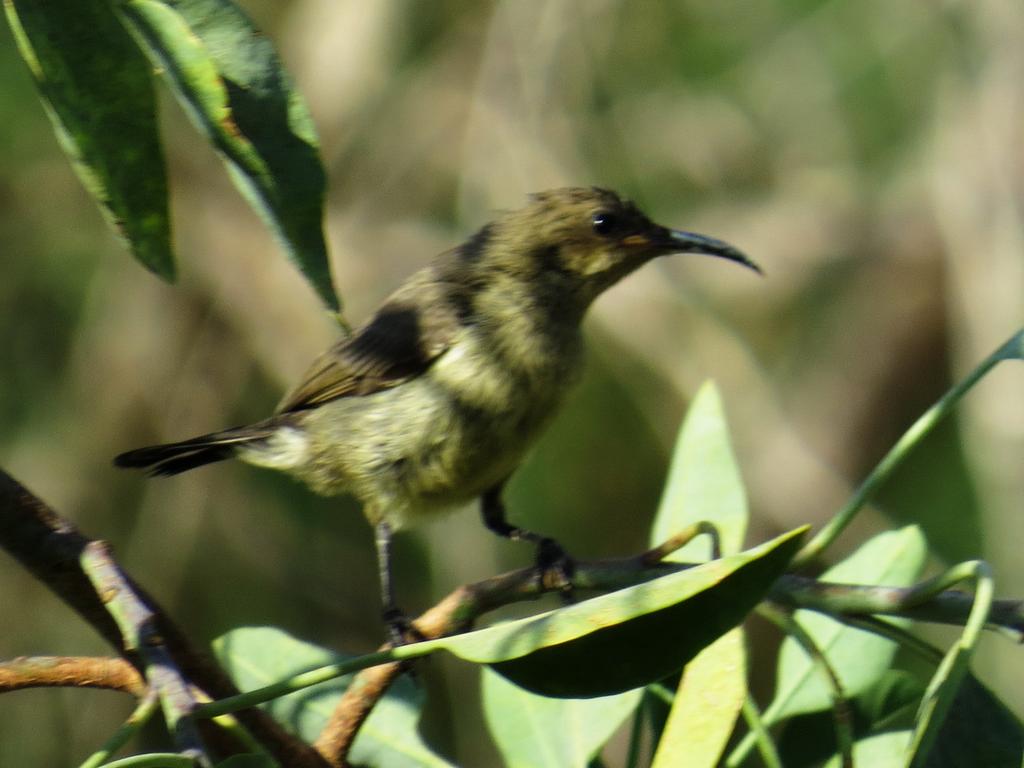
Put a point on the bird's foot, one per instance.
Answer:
(555, 569)
(400, 629)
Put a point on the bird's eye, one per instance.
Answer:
(604, 223)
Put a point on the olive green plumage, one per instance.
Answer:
(437, 397)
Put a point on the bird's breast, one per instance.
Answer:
(505, 376)
(441, 438)
(489, 407)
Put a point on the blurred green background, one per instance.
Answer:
(869, 155)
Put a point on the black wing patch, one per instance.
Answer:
(396, 345)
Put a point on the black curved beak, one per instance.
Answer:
(677, 241)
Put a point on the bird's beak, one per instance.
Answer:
(666, 241)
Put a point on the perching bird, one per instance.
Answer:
(434, 401)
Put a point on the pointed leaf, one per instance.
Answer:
(889, 705)
(978, 730)
(230, 80)
(704, 712)
(704, 482)
(97, 87)
(589, 649)
(859, 658)
(539, 732)
(882, 751)
(258, 656)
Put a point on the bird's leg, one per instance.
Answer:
(397, 624)
(552, 560)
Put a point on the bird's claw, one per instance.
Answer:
(555, 569)
(400, 630)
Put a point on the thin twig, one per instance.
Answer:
(895, 456)
(762, 736)
(920, 602)
(147, 706)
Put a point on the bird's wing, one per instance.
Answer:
(399, 343)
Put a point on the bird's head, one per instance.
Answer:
(582, 240)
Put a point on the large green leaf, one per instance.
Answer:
(229, 78)
(889, 705)
(257, 656)
(540, 732)
(859, 658)
(978, 730)
(98, 91)
(709, 698)
(704, 485)
(594, 648)
(882, 751)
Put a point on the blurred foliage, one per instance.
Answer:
(867, 154)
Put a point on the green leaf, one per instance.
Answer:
(889, 705)
(591, 648)
(978, 730)
(229, 78)
(882, 751)
(859, 658)
(704, 483)
(704, 712)
(257, 656)
(98, 92)
(892, 701)
(539, 732)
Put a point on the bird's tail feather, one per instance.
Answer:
(173, 458)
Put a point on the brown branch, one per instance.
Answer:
(370, 685)
(70, 671)
(50, 548)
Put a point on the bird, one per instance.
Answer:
(435, 400)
